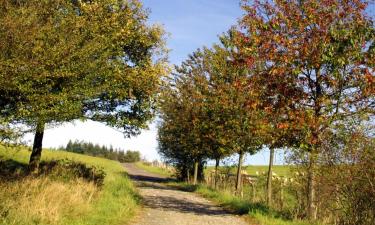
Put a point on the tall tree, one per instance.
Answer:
(211, 99)
(182, 112)
(316, 55)
(239, 122)
(64, 60)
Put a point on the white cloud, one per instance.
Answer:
(100, 134)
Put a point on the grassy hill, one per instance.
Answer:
(57, 198)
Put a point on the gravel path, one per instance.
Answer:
(164, 205)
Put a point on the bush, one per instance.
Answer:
(344, 179)
(346, 186)
(66, 169)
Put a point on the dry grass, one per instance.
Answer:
(59, 198)
(44, 201)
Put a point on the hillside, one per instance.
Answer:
(57, 197)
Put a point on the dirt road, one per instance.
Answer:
(164, 205)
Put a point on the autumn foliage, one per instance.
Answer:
(291, 75)
(315, 58)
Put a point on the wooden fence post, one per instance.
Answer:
(254, 191)
(281, 195)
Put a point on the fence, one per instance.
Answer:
(254, 188)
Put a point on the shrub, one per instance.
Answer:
(66, 169)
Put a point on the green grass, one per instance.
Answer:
(258, 213)
(267, 220)
(114, 203)
(153, 169)
(280, 170)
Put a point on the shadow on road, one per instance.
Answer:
(145, 178)
(184, 205)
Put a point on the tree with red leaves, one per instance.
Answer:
(315, 59)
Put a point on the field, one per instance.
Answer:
(280, 170)
(59, 201)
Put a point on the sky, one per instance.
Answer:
(190, 24)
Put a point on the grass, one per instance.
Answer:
(43, 200)
(280, 170)
(258, 213)
(152, 169)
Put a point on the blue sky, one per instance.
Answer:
(192, 23)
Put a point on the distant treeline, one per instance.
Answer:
(88, 148)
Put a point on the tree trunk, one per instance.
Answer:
(195, 173)
(269, 178)
(200, 177)
(188, 175)
(37, 148)
(282, 196)
(254, 191)
(216, 172)
(311, 209)
(239, 168)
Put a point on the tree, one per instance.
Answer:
(91, 149)
(132, 156)
(66, 60)
(208, 110)
(239, 123)
(316, 55)
(180, 133)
